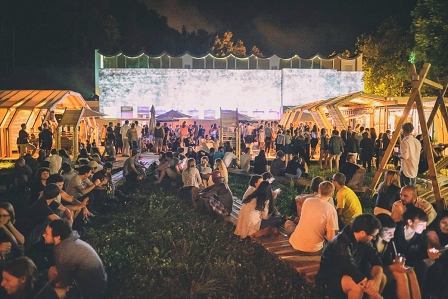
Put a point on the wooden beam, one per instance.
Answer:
(428, 151)
(416, 85)
(433, 84)
(434, 112)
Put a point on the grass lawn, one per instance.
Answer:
(157, 248)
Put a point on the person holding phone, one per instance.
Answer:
(437, 236)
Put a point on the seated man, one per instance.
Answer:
(32, 223)
(318, 220)
(76, 262)
(230, 159)
(300, 199)
(350, 265)
(348, 204)
(104, 193)
(109, 153)
(245, 160)
(354, 174)
(217, 198)
(80, 186)
(408, 196)
(278, 165)
(130, 171)
(67, 173)
(295, 168)
(173, 167)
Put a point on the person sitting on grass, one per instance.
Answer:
(354, 174)
(205, 171)
(173, 167)
(109, 153)
(77, 265)
(295, 168)
(254, 182)
(348, 204)
(192, 180)
(278, 165)
(219, 165)
(32, 223)
(217, 198)
(318, 221)
(10, 237)
(81, 187)
(253, 219)
(245, 160)
(20, 280)
(73, 205)
(130, 171)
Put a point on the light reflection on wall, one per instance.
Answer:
(257, 93)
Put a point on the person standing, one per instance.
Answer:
(410, 149)
(118, 139)
(45, 139)
(22, 141)
(123, 131)
(159, 135)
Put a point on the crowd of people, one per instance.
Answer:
(399, 249)
(58, 197)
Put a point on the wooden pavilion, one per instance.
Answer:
(33, 107)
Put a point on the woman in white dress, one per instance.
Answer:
(253, 219)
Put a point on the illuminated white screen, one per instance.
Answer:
(202, 92)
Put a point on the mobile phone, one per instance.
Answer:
(408, 267)
(396, 149)
(443, 249)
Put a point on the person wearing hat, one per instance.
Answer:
(278, 165)
(217, 198)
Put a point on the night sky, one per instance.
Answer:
(285, 27)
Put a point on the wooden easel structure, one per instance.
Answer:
(417, 82)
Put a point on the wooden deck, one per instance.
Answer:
(279, 245)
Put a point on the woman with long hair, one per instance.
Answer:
(65, 157)
(253, 218)
(260, 163)
(219, 165)
(388, 193)
(261, 137)
(40, 182)
(254, 181)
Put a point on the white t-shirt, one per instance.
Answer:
(75, 182)
(318, 216)
(245, 158)
(410, 149)
(249, 219)
(228, 157)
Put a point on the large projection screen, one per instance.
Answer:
(127, 93)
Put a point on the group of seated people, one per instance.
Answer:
(397, 253)
(59, 198)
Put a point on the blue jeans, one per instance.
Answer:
(404, 180)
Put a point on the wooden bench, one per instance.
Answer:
(279, 245)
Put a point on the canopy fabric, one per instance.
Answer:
(172, 114)
(40, 99)
(92, 113)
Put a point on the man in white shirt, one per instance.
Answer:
(245, 160)
(55, 161)
(124, 129)
(139, 133)
(410, 149)
(318, 220)
(230, 159)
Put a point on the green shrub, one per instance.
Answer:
(159, 248)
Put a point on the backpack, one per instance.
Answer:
(280, 139)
